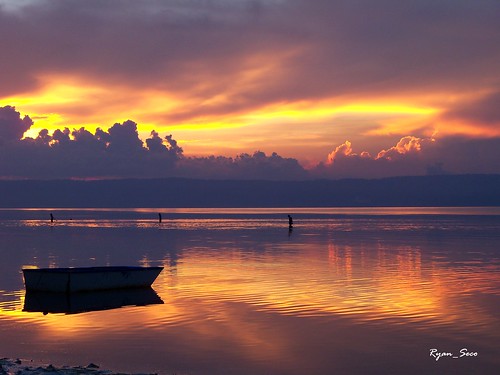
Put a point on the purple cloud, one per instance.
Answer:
(120, 153)
(12, 126)
(244, 166)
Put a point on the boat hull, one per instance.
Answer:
(88, 279)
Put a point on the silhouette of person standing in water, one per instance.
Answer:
(51, 218)
(290, 222)
(159, 217)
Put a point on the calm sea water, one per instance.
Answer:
(348, 291)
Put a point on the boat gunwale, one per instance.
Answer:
(91, 269)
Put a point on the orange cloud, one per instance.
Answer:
(406, 145)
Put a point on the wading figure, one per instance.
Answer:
(51, 218)
(290, 222)
(159, 217)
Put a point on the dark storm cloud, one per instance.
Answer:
(304, 49)
(119, 152)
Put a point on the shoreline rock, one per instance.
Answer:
(10, 366)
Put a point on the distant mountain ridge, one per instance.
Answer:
(443, 190)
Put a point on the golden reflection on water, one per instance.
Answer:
(365, 284)
(249, 286)
(364, 287)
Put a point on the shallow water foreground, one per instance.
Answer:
(371, 291)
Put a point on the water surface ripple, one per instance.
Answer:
(343, 292)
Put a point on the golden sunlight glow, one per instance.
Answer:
(202, 126)
(59, 92)
(456, 127)
(402, 126)
(320, 110)
(254, 129)
(62, 101)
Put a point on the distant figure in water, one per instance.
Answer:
(159, 217)
(290, 222)
(51, 218)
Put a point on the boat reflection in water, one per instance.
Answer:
(79, 302)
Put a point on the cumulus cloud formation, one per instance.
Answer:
(406, 146)
(415, 156)
(12, 126)
(119, 153)
(344, 150)
(257, 166)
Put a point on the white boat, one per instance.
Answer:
(89, 278)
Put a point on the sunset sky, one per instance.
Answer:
(333, 88)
